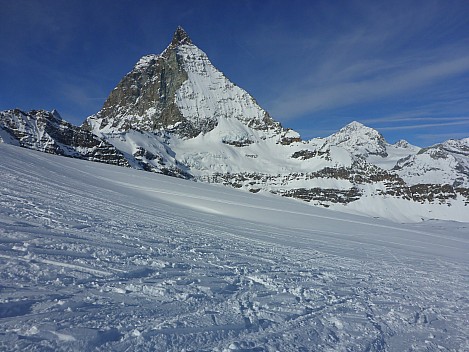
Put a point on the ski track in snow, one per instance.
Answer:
(149, 263)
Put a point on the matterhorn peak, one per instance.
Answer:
(181, 91)
(180, 37)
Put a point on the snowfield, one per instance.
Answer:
(97, 257)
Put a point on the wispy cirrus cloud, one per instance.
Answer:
(416, 118)
(440, 123)
(429, 138)
(383, 52)
(299, 101)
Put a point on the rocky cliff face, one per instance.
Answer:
(48, 132)
(176, 114)
(143, 99)
(178, 90)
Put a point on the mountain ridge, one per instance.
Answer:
(176, 114)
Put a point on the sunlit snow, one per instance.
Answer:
(97, 257)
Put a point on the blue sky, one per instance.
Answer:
(401, 67)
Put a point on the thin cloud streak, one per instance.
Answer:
(441, 136)
(383, 51)
(427, 125)
(347, 93)
(381, 120)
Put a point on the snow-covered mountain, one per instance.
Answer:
(179, 90)
(359, 140)
(447, 162)
(176, 114)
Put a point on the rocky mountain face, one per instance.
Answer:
(48, 132)
(175, 113)
(179, 90)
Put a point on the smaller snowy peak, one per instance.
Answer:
(359, 139)
(458, 146)
(444, 163)
(180, 37)
(355, 128)
(453, 146)
(404, 145)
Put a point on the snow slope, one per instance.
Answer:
(97, 257)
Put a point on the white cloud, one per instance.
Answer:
(342, 92)
(426, 125)
(391, 50)
(414, 118)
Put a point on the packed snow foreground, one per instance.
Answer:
(98, 257)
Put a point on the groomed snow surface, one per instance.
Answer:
(96, 257)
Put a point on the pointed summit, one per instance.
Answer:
(180, 37)
(179, 90)
(359, 140)
(355, 125)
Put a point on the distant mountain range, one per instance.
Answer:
(176, 114)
